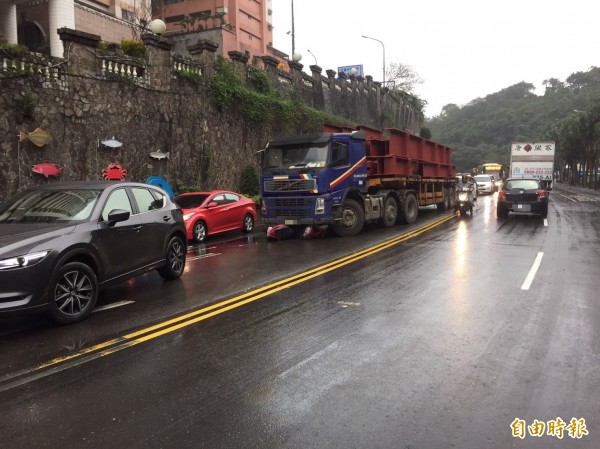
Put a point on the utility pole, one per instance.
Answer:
(293, 42)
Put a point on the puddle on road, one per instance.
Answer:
(210, 249)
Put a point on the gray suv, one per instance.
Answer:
(61, 242)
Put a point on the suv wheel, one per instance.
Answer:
(74, 293)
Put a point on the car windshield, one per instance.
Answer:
(296, 157)
(190, 201)
(482, 178)
(526, 184)
(46, 206)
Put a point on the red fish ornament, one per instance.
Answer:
(47, 169)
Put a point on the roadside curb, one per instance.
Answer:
(576, 189)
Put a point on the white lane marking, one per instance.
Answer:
(568, 197)
(112, 306)
(546, 222)
(531, 275)
(203, 256)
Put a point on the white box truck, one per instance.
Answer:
(532, 159)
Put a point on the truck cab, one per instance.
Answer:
(304, 179)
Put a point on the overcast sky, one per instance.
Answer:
(462, 49)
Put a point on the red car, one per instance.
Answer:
(209, 213)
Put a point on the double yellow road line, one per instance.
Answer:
(58, 364)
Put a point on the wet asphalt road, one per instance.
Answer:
(429, 343)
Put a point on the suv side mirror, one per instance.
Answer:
(117, 215)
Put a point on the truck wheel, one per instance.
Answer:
(390, 212)
(446, 204)
(410, 209)
(353, 219)
(451, 198)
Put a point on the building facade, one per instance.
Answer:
(34, 22)
(235, 25)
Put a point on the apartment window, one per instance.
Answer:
(174, 19)
(128, 15)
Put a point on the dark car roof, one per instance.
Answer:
(529, 178)
(508, 180)
(86, 185)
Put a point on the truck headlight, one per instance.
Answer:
(25, 260)
(320, 206)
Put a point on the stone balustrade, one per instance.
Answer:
(11, 67)
(110, 65)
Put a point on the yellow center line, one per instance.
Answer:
(180, 322)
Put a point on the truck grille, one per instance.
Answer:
(291, 207)
(290, 185)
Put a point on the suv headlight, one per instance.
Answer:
(25, 260)
(320, 206)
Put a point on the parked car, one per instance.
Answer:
(214, 212)
(522, 195)
(485, 184)
(61, 242)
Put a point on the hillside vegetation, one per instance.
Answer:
(482, 130)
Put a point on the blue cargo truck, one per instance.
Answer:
(348, 177)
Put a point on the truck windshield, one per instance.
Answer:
(300, 156)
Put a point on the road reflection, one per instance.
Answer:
(460, 250)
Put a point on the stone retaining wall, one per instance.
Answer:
(91, 96)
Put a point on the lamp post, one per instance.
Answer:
(157, 26)
(313, 57)
(372, 38)
(293, 32)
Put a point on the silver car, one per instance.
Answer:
(485, 184)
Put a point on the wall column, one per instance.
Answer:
(8, 22)
(61, 14)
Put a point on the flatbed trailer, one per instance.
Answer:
(345, 178)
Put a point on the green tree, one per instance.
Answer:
(404, 77)
(482, 130)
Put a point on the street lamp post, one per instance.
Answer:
(372, 38)
(313, 57)
(293, 42)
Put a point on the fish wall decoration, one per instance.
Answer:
(47, 169)
(39, 137)
(158, 154)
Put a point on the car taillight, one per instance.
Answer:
(541, 194)
(501, 195)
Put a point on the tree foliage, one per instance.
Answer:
(482, 131)
(403, 76)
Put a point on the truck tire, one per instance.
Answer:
(410, 210)
(449, 202)
(444, 204)
(353, 219)
(390, 212)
